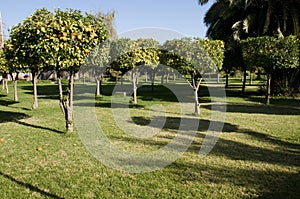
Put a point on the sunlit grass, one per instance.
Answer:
(257, 156)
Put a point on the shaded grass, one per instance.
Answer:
(257, 156)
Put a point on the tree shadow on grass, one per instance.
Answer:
(44, 91)
(268, 184)
(258, 109)
(39, 127)
(8, 116)
(224, 147)
(7, 102)
(30, 186)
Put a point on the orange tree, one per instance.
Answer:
(193, 58)
(3, 70)
(11, 65)
(60, 41)
(127, 55)
(30, 46)
(71, 36)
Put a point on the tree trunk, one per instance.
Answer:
(167, 78)
(244, 81)
(3, 83)
(251, 79)
(134, 84)
(98, 89)
(268, 18)
(227, 81)
(196, 87)
(35, 98)
(66, 105)
(15, 91)
(6, 85)
(69, 104)
(61, 96)
(295, 18)
(258, 75)
(162, 79)
(268, 91)
(218, 77)
(197, 104)
(152, 80)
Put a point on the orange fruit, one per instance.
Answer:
(39, 148)
(1, 139)
(79, 37)
(63, 38)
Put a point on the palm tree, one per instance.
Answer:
(243, 18)
(233, 20)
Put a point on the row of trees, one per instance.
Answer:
(61, 40)
(272, 55)
(47, 41)
(235, 20)
(191, 57)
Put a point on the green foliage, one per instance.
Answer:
(59, 40)
(215, 50)
(28, 41)
(194, 55)
(126, 54)
(3, 64)
(271, 53)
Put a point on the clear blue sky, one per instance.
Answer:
(184, 16)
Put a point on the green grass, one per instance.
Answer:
(257, 156)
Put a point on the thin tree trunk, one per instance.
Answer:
(196, 97)
(134, 84)
(268, 91)
(162, 79)
(218, 77)
(227, 81)
(152, 80)
(244, 81)
(295, 18)
(5, 85)
(98, 80)
(61, 96)
(167, 78)
(197, 105)
(268, 18)
(15, 91)
(69, 104)
(251, 79)
(4, 82)
(35, 98)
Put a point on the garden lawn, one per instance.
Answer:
(257, 156)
